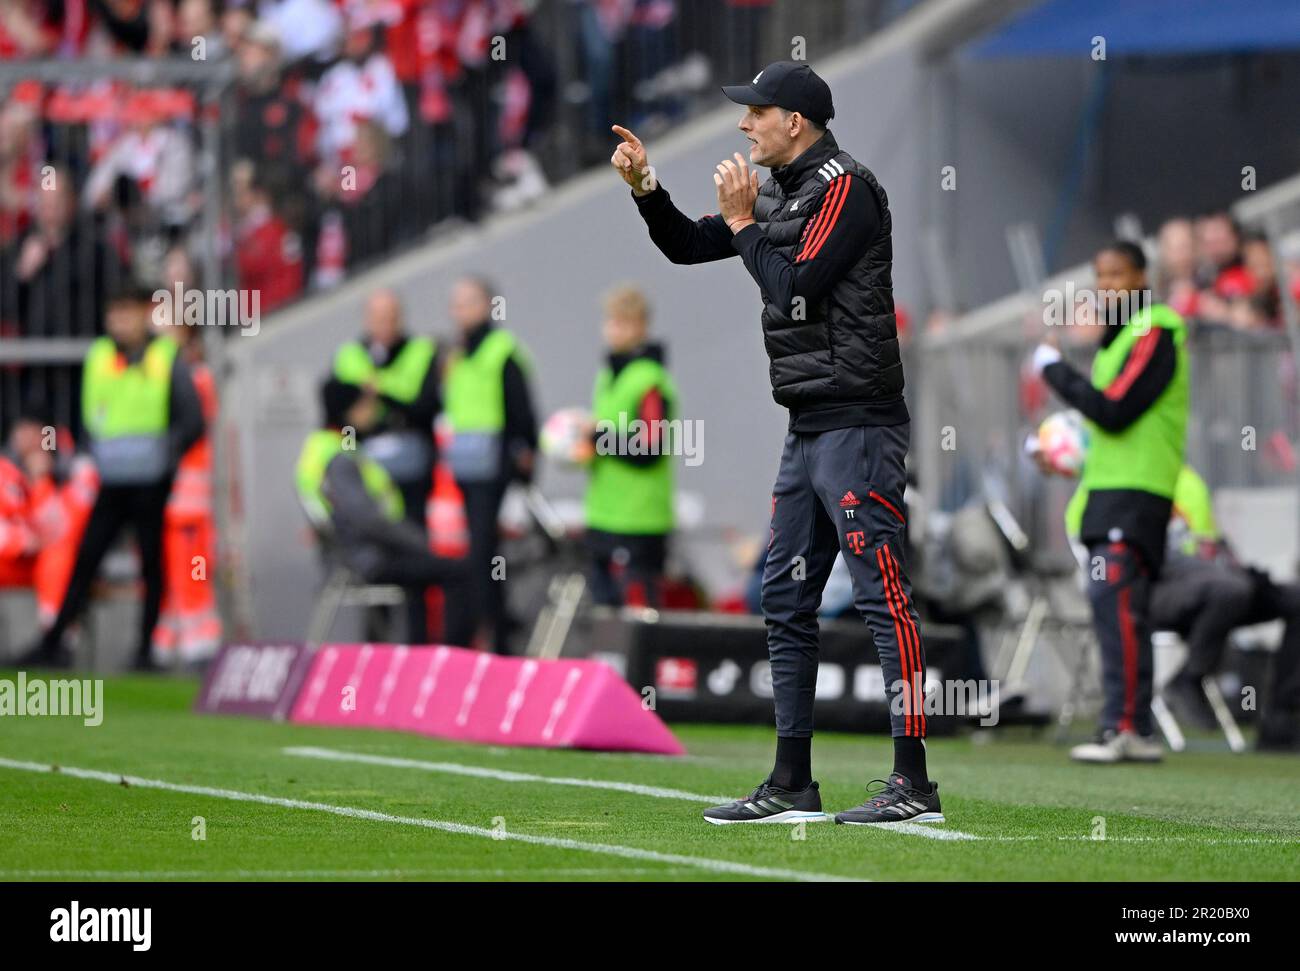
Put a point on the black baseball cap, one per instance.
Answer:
(791, 85)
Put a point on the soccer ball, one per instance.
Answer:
(563, 433)
(1063, 441)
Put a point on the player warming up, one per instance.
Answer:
(815, 237)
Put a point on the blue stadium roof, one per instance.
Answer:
(1066, 27)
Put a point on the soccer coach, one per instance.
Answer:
(816, 239)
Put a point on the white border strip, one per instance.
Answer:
(461, 829)
(926, 830)
(500, 775)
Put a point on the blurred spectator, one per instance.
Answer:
(1262, 306)
(373, 210)
(1177, 265)
(198, 19)
(307, 28)
(63, 270)
(1221, 275)
(26, 29)
(154, 157)
(268, 255)
(362, 85)
(235, 21)
(274, 129)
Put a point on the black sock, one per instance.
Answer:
(909, 761)
(793, 769)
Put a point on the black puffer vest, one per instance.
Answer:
(846, 347)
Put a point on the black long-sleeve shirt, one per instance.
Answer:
(835, 236)
(1133, 515)
(1146, 373)
(833, 239)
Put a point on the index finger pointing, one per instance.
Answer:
(626, 135)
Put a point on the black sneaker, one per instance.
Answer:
(770, 804)
(897, 802)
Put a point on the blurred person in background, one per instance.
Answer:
(26, 29)
(1177, 266)
(274, 129)
(352, 500)
(198, 19)
(361, 84)
(1221, 275)
(374, 215)
(307, 28)
(493, 424)
(141, 413)
(189, 626)
(1261, 307)
(57, 250)
(628, 506)
(1202, 594)
(19, 165)
(155, 158)
(403, 371)
(268, 253)
(1135, 406)
(46, 494)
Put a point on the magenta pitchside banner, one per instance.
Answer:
(254, 679)
(454, 693)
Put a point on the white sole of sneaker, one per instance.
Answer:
(923, 818)
(789, 816)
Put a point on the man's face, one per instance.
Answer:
(623, 333)
(1116, 278)
(383, 319)
(1178, 248)
(768, 129)
(469, 305)
(128, 322)
(1218, 240)
(25, 437)
(54, 207)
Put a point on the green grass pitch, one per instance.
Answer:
(1017, 809)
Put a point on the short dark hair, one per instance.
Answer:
(131, 291)
(818, 124)
(1128, 249)
(337, 398)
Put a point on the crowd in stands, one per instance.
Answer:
(348, 128)
(1215, 274)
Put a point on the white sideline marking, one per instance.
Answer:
(501, 775)
(461, 829)
(934, 831)
(927, 830)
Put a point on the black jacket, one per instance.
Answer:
(821, 254)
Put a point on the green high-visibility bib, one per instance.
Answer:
(1148, 454)
(317, 452)
(400, 379)
(121, 400)
(622, 497)
(475, 388)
